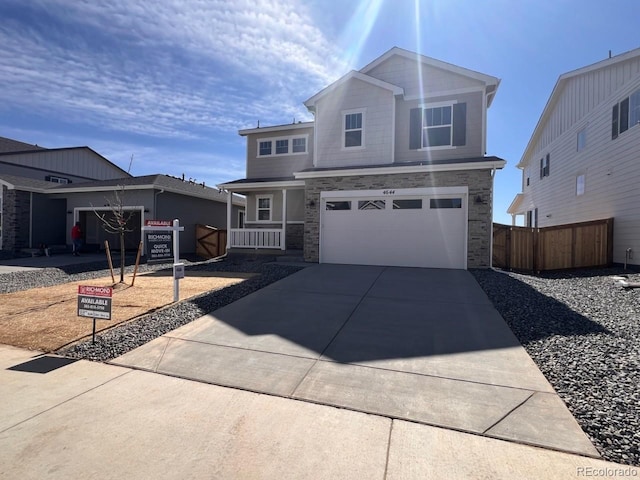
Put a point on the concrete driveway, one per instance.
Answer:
(423, 345)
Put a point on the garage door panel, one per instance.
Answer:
(401, 236)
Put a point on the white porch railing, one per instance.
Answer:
(256, 238)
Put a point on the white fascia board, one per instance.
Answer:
(396, 90)
(114, 188)
(496, 164)
(276, 128)
(10, 186)
(261, 185)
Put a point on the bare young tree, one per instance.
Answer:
(115, 221)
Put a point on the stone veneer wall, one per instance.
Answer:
(15, 219)
(479, 214)
(295, 236)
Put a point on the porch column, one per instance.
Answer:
(283, 243)
(229, 212)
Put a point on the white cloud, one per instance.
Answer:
(170, 68)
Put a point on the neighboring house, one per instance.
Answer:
(392, 171)
(581, 162)
(45, 191)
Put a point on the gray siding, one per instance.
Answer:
(421, 80)
(377, 125)
(35, 173)
(191, 211)
(474, 134)
(48, 221)
(80, 163)
(295, 208)
(611, 168)
(278, 165)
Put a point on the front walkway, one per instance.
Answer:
(420, 345)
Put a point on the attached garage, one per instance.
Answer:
(424, 227)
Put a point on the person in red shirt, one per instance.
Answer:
(76, 238)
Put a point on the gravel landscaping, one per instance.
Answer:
(583, 332)
(123, 338)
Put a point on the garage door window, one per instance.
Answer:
(409, 204)
(445, 203)
(340, 205)
(372, 204)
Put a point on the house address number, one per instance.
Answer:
(388, 192)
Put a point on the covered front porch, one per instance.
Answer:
(273, 219)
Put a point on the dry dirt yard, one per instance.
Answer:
(46, 318)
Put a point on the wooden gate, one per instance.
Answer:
(210, 241)
(586, 244)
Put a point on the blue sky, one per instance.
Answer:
(172, 81)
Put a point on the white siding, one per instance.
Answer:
(582, 94)
(611, 167)
(378, 104)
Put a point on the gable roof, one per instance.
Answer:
(311, 102)
(491, 82)
(559, 88)
(10, 145)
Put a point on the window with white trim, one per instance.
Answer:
(581, 140)
(263, 208)
(580, 180)
(264, 148)
(353, 133)
(54, 179)
(441, 125)
(527, 176)
(292, 145)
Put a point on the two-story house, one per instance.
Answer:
(581, 162)
(392, 171)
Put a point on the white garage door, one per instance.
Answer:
(409, 227)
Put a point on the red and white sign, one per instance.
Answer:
(95, 291)
(158, 223)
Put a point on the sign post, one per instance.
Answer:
(162, 237)
(94, 302)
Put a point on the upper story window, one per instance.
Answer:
(625, 114)
(438, 126)
(265, 148)
(54, 179)
(282, 146)
(581, 139)
(527, 176)
(353, 133)
(544, 166)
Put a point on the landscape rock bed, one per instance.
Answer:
(125, 337)
(583, 331)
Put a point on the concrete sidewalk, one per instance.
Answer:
(92, 420)
(421, 345)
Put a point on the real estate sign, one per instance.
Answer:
(159, 242)
(94, 302)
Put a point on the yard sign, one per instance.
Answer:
(94, 302)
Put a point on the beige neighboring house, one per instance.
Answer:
(581, 163)
(392, 171)
(45, 191)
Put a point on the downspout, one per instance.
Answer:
(30, 219)
(155, 201)
(493, 174)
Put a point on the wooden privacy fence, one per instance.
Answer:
(210, 242)
(577, 245)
